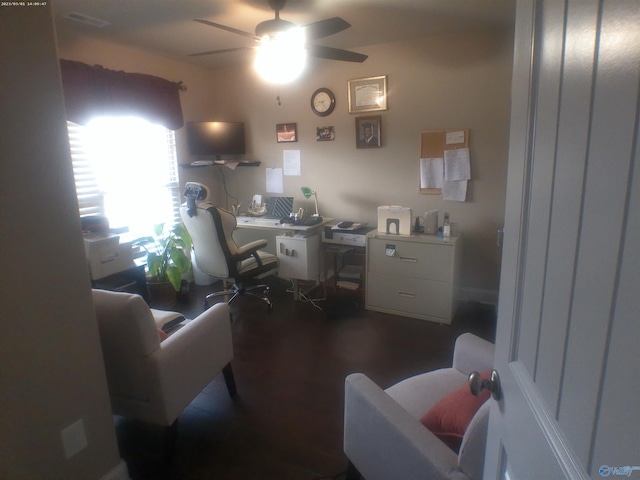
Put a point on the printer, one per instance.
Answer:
(106, 255)
(355, 235)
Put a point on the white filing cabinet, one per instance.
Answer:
(299, 256)
(414, 275)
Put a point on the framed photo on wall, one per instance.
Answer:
(368, 131)
(325, 134)
(286, 132)
(367, 94)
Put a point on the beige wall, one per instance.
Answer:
(52, 373)
(440, 82)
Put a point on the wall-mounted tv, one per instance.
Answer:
(216, 138)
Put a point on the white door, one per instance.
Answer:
(568, 316)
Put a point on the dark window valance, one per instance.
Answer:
(91, 91)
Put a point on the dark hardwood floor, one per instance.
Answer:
(285, 423)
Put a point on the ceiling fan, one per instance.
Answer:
(277, 26)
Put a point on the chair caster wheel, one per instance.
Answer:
(269, 307)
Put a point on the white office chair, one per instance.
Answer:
(217, 254)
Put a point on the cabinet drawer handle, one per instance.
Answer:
(409, 259)
(406, 294)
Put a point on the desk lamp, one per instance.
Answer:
(307, 192)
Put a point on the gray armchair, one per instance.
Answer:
(384, 438)
(150, 380)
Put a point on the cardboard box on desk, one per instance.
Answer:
(394, 220)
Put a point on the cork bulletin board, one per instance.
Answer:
(433, 144)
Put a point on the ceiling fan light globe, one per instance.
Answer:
(281, 58)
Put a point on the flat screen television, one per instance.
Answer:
(216, 138)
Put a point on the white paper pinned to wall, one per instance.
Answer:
(291, 162)
(275, 182)
(455, 190)
(431, 172)
(457, 165)
(454, 138)
(457, 173)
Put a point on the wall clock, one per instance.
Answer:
(323, 101)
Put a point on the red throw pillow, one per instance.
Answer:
(449, 418)
(162, 335)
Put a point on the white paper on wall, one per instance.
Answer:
(453, 138)
(291, 162)
(455, 190)
(275, 182)
(457, 165)
(431, 172)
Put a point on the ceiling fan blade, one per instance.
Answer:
(228, 29)
(215, 52)
(330, 53)
(324, 28)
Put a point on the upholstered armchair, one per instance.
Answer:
(153, 380)
(385, 434)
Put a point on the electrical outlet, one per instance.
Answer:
(74, 438)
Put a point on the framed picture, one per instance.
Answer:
(368, 131)
(325, 134)
(287, 132)
(368, 94)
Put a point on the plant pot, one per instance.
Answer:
(161, 294)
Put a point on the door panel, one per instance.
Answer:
(611, 141)
(527, 408)
(566, 345)
(621, 390)
(542, 148)
(568, 179)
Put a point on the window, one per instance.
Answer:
(126, 169)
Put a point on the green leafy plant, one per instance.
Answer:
(168, 254)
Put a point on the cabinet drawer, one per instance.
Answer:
(417, 260)
(299, 257)
(409, 296)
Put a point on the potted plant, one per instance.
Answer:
(168, 258)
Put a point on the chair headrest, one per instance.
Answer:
(195, 193)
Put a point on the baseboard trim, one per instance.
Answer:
(119, 472)
(479, 295)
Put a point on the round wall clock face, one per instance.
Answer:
(323, 101)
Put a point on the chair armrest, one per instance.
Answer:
(384, 441)
(472, 353)
(191, 357)
(166, 318)
(250, 248)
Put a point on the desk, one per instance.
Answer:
(274, 224)
(296, 246)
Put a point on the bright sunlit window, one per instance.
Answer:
(126, 169)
